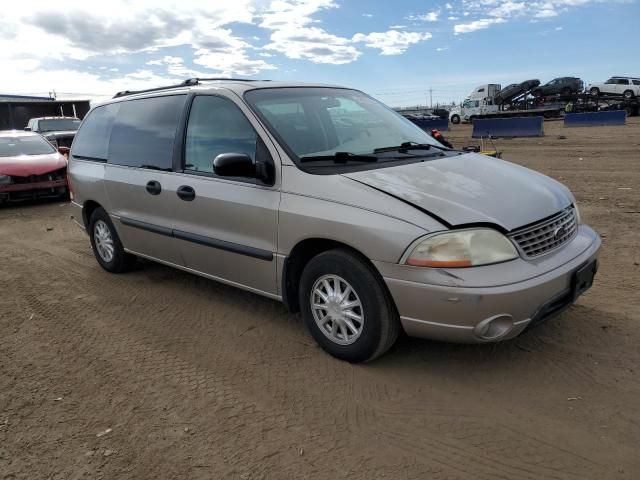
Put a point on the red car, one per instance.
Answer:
(30, 167)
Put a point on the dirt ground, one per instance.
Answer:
(160, 374)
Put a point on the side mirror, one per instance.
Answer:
(27, 129)
(234, 165)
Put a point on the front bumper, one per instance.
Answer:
(461, 313)
(21, 187)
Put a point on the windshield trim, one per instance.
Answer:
(309, 167)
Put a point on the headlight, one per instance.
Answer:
(462, 248)
(577, 210)
(5, 179)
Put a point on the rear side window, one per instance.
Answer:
(144, 132)
(92, 140)
(216, 126)
(636, 82)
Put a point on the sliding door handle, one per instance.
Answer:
(186, 193)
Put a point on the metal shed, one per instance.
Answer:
(16, 110)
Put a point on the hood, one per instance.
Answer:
(26, 165)
(472, 189)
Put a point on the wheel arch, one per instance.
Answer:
(301, 254)
(87, 210)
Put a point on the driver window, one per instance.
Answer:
(216, 125)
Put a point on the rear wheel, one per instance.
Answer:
(594, 91)
(106, 244)
(455, 119)
(346, 308)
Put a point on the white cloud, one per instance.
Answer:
(476, 25)
(367, 15)
(82, 30)
(294, 35)
(546, 13)
(486, 13)
(427, 17)
(557, 29)
(391, 42)
(313, 44)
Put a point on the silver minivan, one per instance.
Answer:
(331, 202)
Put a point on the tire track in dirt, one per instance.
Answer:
(172, 367)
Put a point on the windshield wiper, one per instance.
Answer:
(153, 167)
(340, 157)
(406, 146)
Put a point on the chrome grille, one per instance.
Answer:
(547, 235)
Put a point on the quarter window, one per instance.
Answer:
(144, 132)
(92, 140)
(216, 125)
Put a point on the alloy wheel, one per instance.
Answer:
(337, 309)
(103, 240)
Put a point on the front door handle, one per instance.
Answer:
(186, 193)
(154, 188)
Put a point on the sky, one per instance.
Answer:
(404, 52)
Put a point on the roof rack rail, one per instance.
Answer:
(196, 81)
(189, 82)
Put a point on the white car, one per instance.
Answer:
(629, 87)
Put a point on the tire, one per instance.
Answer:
(628, 94)
(594, 91)
(104, 238)
(379, 326)
(455, 119)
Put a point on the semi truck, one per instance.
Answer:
(489, 101)
(515, 104)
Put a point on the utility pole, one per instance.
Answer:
(431, 98)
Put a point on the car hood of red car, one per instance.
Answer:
(26, 165)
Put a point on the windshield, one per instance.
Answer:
(319, 122)
(58, 124)
(31, 145)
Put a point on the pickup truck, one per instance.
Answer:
(58, 130)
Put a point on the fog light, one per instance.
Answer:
(495, 327)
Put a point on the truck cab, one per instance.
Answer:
(478, 102)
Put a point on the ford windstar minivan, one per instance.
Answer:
(329, 201)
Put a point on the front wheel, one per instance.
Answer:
(628, 94)
(455, 119)
(106, 244)
(594, 91)
(346, 308)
